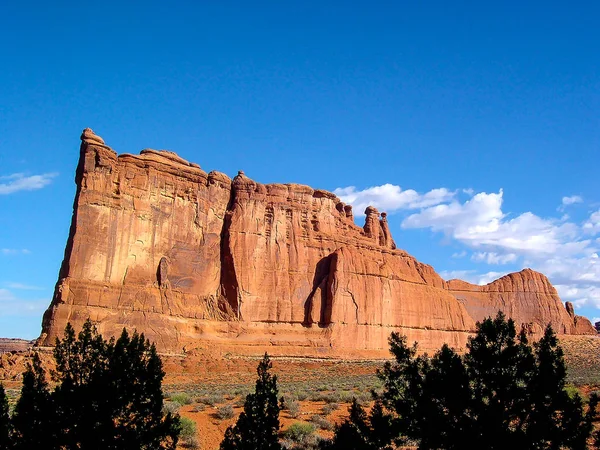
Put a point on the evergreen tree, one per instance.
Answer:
(361, 431)
(5, 425)
(258, 425)
(33, 418)
(81, 395)
(446, 403)
(109, 393)
(548, 396)
(500, 369)
(353, 433)
(136, 396)
(501, 394)
(108, 396)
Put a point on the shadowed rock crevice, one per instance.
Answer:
(229, 283)
(316, 305)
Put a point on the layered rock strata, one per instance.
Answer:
(194, 259)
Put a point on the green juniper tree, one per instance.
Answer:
(503, 393)
(108, 396)
(362, 431)
(500, 369)
(257, 426)
(5, 424)
(33, 416)
(136, 405)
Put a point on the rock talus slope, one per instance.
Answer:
(197, 259)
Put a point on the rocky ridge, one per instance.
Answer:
(196, 259)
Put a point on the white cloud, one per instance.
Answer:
(592, 225)
(6, 295)
(571, 200)
(494, 258)
(19, 182)
(26, 287)
(15, 251)
(391, 197)
(11, 305)
(459, 254)
(471, 276)
(480, 223)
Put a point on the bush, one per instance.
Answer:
(329, 408)
(192, 443)
(225, 412)
(188, 428)
(299, 432)
(301, 395)
(322, 422)
(199, 407)
(182, 398)
(212, 399)
(293, 408)
(171, 408)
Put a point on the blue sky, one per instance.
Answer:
(476, 125)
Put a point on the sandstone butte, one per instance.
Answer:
(197, 260)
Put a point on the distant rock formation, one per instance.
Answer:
(196, 259)
(15, 345)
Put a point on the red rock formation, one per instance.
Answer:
(527, 296)
(196, 259)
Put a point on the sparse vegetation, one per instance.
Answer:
(301, 434)
(188, 434)
(182, 398)
(329, 408)
(225, 412)
(212, 399)
(321, 422)
(291, 406)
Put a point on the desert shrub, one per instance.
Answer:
(187, 434)
(171, 408)
(321, 422)
(293, 408)
(363, 398)
(182, 398)
(346, 396)
(573, 391)
(225, 412)
(192, 443)
(330, 407)
(285, 401)
(301, 395)
(199, 407)
(333, 397)
(211, 399)
(299, 432)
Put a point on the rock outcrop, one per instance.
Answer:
(194, 259)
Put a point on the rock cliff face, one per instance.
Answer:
(196, 259)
